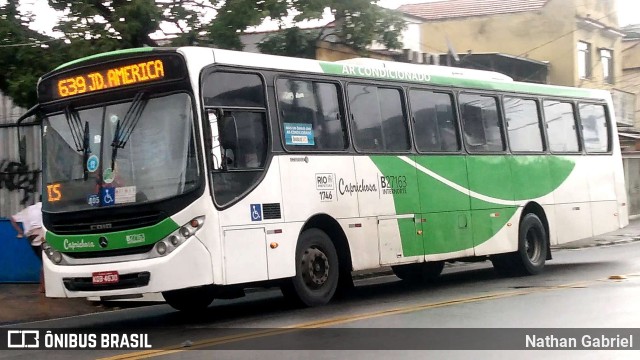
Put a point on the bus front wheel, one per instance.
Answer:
(317, 270)
(190, 299)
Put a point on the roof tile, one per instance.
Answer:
(448, 9)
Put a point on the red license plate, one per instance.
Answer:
(105, 277)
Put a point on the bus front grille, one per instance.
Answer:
(97, 225)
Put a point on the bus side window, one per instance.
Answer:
(435, 124)
(481, 123)
(310, 115)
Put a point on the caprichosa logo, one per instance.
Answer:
(73, 245)
(100, 226)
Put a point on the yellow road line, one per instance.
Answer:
(340, 320)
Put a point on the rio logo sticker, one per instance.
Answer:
(256, 212)
(325, 184)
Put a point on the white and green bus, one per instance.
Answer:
(198, 172)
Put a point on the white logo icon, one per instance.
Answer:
(21, 339)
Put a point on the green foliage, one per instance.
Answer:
(291, 42)
(94, 26)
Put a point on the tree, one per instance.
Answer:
(24, 55)
(93, 26)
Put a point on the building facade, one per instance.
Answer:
(579, 39)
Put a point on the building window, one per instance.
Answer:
(607, 65)
(584, 60)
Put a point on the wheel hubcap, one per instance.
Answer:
(315, 268)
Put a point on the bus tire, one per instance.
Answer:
(532, 250)
(317, 270)
(422, 272)
(190, 299)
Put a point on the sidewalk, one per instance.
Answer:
(21, 303)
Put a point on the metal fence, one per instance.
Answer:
(20, 160)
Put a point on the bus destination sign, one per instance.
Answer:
(151, 70)
(112, 75)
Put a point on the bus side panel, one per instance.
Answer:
(492, 199)
(444, 204)
(573, 209)
(602, 192)
(533, 182)
(387, 188)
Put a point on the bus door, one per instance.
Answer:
(444, 216)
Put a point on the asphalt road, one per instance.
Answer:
(595, 287)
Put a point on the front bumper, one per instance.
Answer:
(187, 266)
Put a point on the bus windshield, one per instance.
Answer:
(120, 154)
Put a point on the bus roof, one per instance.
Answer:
(366, 68)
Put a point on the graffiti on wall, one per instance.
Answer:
(16, 176)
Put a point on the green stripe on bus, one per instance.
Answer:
(106, 54)
(116, 240)
(479, 84)
(453, 220)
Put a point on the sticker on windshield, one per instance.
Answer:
(92, 163)
(97, 139)
(93, 200)
(298, 134)
(107, 176)
(125, 194)
(107, 196)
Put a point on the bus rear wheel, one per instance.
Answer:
(422, 272)
(190, 299)
(532, 250)
(317, 270)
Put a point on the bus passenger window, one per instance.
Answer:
(378, 119)
(310, 115)
(561, 126)
(481, 123)
(435, 123)
(594, 128)
(523, 124)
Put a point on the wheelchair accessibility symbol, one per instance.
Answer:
(256, 212)
(107, 196)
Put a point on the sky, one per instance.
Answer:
(628, 12)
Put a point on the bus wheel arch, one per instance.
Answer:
(320, 231)
(533, 245)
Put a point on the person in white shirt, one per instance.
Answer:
(32, 228)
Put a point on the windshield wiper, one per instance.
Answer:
(80, 137)
(123, 130)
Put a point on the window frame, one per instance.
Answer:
(498, 97)
(456, 119)
(588, 65)
(541, 124)
(204, 73)
(611, 78)
(341, 104)
(575, 121)
(607, 115)
(405, 112)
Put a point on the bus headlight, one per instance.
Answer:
(179, 236)
(56, 257)
(53, 255)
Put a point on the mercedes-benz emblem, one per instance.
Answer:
(103, 242)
